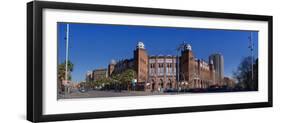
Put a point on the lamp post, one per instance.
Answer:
(66, 59)
(251, 47)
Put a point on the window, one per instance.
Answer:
(161, 69)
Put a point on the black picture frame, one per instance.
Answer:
(35, 69)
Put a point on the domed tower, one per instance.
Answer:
(187, 63)
(140, 45)
(187, 47)
(141, 62)
(111, 67)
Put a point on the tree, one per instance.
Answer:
(61, 72)
(102, 81)
(244, 74)
(116, 78)
(123, 78)
(127, 76)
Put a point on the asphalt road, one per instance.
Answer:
(97, 93)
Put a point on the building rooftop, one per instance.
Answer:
(161, 56)
(100, 69)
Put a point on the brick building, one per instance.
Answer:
(158, 73)
(162, 73)
(96, 74)
(198, 73)
(120, 66)
(141, 63)
(230, 83)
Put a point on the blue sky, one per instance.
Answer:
(94, 45)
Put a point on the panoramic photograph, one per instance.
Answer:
(105, 60)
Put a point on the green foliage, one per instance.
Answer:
(61, 70)
(103, 81)
(123, 78)
(128, 76)
(116, 78)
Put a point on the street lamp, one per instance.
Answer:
(66, 59)
(251, 47)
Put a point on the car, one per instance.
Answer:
(198, 90)
(184, 90)
(82, 89)
(169, 90)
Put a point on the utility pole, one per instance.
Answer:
(66, 58)
(251, 47)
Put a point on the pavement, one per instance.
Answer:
(111, 93)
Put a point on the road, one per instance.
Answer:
(97, 93)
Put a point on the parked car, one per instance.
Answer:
(82, 89)
(198, 90)
(169, 90)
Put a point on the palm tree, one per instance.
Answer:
(61, 72)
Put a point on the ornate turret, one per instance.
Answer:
(187, 47)
(187, 62)
(140, 45)
(141, 62)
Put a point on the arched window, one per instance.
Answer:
(152, 84)
(170, 85)
(161, 83)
